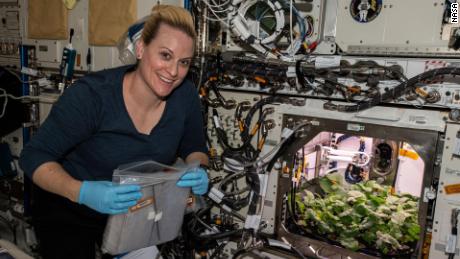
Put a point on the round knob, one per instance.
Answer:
(454, 115)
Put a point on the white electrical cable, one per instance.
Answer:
(260, 162)
(5, 102)
(310, 83)
(221, 5)
(280, 22)
(16, 75)
(4, 94)
(217, 20)
(218, 10)
(215, 13)
(275, 149)
(233, 165)
(237, 12)
(239, 25)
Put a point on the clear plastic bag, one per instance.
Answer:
(158, 215)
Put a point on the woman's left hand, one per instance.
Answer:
(197, 178)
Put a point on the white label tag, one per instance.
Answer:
(451, 244)
(215, 195)
(355, 127)
(29, 71)
(158, 216)
(216, 122)
(263, 178)
(43, 82)
(252, 221)
(329, 61)
(457, 147)
(286, 133)
(226, 208)
(151, 215)
(291, 72)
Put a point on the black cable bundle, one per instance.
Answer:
(252, 178)
(399, 90)
(301, 77)
(232, 199)
(246, 152)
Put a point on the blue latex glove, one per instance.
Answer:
(197, 178)
(106, 197)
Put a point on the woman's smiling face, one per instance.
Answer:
(165, 61)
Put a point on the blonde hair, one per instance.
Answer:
(173, 16)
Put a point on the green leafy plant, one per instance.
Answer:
(363, 215)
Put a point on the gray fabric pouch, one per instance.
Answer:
(158, 215)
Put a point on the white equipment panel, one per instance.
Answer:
(393, 27)
(447, 197)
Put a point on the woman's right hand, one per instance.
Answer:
(107, 198)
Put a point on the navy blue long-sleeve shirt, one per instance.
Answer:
(90, 133)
